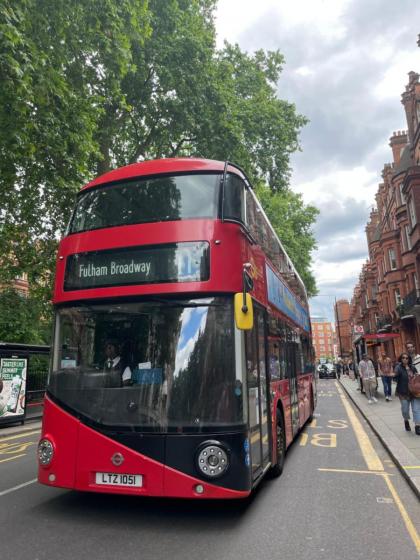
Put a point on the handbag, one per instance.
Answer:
(414, 386)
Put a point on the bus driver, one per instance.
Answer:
(114, 364)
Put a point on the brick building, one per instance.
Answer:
(386, 300)
(322, 338)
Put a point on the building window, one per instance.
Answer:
(407, 237)
(397, 297)
(392, 259)
(412, 210)
(402, 195)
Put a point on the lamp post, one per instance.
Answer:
(338, 326)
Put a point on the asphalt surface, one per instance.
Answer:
(347, 510)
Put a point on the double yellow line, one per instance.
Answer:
(375, 466)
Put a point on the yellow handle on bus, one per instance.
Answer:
(244, 314)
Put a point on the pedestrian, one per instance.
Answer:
(411, 351)
(404, 370)
(377, 375)
(346, 369)
(358, 378)
(385, 370)
(338, 369)
(368, 375)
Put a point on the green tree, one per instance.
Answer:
(89, 85)
(23, 319)
(61, 65)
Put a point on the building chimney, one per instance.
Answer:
(398, 142)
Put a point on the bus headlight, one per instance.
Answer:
(212, 459)
(45, 452)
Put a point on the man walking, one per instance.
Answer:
(386, 372)
(367, 373)
(415, 358)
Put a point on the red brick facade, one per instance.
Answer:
(387, 297)
(323, 338)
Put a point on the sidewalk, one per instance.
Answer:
(30, 425)
(33, 421)
(386, 421)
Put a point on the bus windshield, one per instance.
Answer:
(158, 199)
(174, 371)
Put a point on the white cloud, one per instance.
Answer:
(304, 71)
(235, 16)
(335, 184)
(394, 79)
(346, 66)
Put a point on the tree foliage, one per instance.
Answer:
(23, 319)
(89, 85)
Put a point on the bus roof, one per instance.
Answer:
(158, 166)
(186, 165)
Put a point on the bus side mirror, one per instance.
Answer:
(244, 314)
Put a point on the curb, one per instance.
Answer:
(30, 425)
(401, 456)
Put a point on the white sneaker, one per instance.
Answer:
(369, 401)
(374, 400)
(389, 398)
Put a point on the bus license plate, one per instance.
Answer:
(118, 479)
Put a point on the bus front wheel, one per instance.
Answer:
(277, 468)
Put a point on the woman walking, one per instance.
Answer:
(404, 370)
(368, 377)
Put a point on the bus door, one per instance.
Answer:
(292, 367)
(257, 394)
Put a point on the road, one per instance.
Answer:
(340, 497)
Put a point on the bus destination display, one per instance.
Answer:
(174, 262)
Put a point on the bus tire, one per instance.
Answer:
(277, 468)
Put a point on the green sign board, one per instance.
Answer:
(12, 386)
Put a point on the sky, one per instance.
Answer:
(346, 66)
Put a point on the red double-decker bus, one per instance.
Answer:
(182, 359)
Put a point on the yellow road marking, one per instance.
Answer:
(411, 467)
(371, 457)
(20, 436)
(255, 437)
(303, 439)
(12, 458)
(372, 460)
(11, 448)
(408, 523)
(355, 472)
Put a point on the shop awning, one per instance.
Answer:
(381, 336)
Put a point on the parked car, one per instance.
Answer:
(326, 371)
